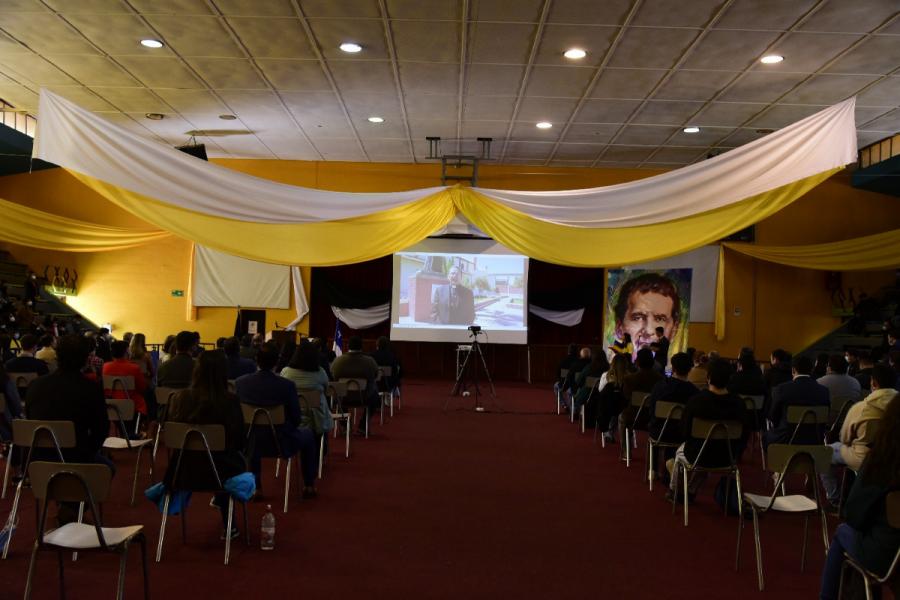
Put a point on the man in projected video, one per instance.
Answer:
(648, 302)
(454, 303)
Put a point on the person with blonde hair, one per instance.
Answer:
(698, 373)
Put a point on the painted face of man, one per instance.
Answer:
(645, 313)
(454, 276)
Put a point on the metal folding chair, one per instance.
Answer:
(163, 399)
(563, 374)
(336, 391)
(356, 387)
(88, 484)
(310, 400)
(801, 416)
(892, 506)
(6, 445)
(119, 411)
(124, 383)
(628, 440)
(755, 404)
(671, 412)
(836, 419)
(786, 459)
(592, 383)
(22, 380)
(260, 419)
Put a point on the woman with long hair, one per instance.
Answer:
(697, 376)
(168, 349)
(308, 376)
(866, 534)
(139, 354)
(208, 402)
(611, 400)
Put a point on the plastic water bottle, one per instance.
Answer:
(268, 529)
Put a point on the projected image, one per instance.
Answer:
(461, 290)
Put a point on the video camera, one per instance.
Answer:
(475, 329)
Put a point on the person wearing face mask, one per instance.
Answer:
(6, 303)
(25, 316)
(31, 288)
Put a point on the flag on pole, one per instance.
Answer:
(338, 339)
(237, 325)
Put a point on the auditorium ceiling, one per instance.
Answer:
(459, 70)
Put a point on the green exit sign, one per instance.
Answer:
(178, 293)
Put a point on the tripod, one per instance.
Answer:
(469, 378)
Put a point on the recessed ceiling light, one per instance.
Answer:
(544, 125)
(376, 120)
(575, 53)
(155, 116)
(152, 43)
(350, 47)
(771, 59)
(691, 130)
(227, 117)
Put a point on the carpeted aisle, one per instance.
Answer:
(451, 505)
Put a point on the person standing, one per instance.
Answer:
(32, 291)
(454, 303)
(660, 348)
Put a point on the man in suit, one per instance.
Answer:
(801, 391)
(564, 363)
(642, 381)
(237, 366)
(570, 383)
(103, 350)
(453, 304)
(383, 357)
(26, 362)
(266, 389)
(353, 364)
(177, 371)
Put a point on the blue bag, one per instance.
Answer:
(157, 495)
(241, 487)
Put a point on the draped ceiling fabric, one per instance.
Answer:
(611, 226)
(363, 318)
(566, 318)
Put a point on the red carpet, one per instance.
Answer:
(451, 505)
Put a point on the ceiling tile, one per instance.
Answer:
(759, 86)
(889, 122)
(606, 111)
(347, 158)
(93, 70)
(883, 93)
(133, 123)
(295, 75)
(808, 52)
(512, 11)
(644, 135)
(419, 129)
(472, 130)
(492, 80)
(429, 78)
(273, 38)
(570, 163)
(727, 114)
(880, 54)
(707, 136)
(667, 113)
(162, 72)
(842, 17)
(19, 96)
(227, 73)
(595, 12)
(290, 148)
(782, 115)
(829, 89)
(386, 147)
(197, 36)
(489, 108)
(427, 41)
(557, 39)
(325, 127)
(580, 152)
(255, 8)
(529, 133)
(337, 146)
(330, 8)
(313, 104)
(776, 15)
(22, 6)
(45, 33)
(83, 97)
(416, 9)
(528, 150)
(363, 106)
(627, 153)
(136, 100)
(245, 146)
(394, 129)
(368, 33)
(391, 158)
(500, 43)
(590, 133)
(253, 102)
(740, 137)
(674, 155)
(864, 114)
(605, 164)
(363, 76)
(729, 50)
(568, 82)
(865, 138)
(171, 7)
(212, 125)
(31, 68)
(192, 101)
(651, 47)
(10, 46)
(626, 83)
(117, 34)
(554, 110)
(427, 106)
(694, 85)
(173, 127)
(664, 13)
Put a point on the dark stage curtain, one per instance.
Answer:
(360, 285)
(555, 287)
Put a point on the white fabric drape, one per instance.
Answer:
(224, 280)
(299, 299)
(363, 318)
(824, 141)
(566, 318)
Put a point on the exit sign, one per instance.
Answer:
(178, 293)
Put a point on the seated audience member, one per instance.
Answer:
(5, 348)
(306, 374)
(610, 396)
(852, 356)
(287, 353)
(94, 362)
(866, 534)
(75, 324)
(393, 350)
(698, 372)
(7, 305)
(325, 358)
(220, 343)
(385, 358)
(353, 364)
(802, 390)
(714, 404)
(780, 371)
(46, 352)
(66, 395)
(676, 389)
(237, 366)
(138, 354)
(178, 370)
(258, 340)
(208, 402)
(168, 349)
(127, 339)
(570, 382)
(325, 349)
(103, 350)
(13, 411)
(266, 389)
(623, 346)
(25, 317)
(26, 362)
(745, 351)
(598, 366)
(120, 366)
(857, 432)
(821, 367)
(837, 381)
(197, 347)
(864, 375)
(248, 350)
(642, 381)
(745, 383)
(893, 337)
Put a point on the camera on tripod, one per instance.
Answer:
(475, 329)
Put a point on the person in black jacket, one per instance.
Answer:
(866, 535)
(385, 358)
(801, 391)
(569, 385)
(103, 351)
(780, 371)
(599, 365)
(748, 382)
(564, 364)
(32, 291)
(864, 375)
(714, 404)
(26, 362)
(676, 389)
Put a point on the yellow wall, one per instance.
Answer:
(779, 306)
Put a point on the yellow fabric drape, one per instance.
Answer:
(191, 310)
(29, 227)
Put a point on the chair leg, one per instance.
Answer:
(805, 544)
(228, 528)
(246, 523)
(62, 575)
(676, 478)
(143, 542)
(12, 518)
(349, 436)
(382, 409)
(321, 453)
(649, 471)
(80, 520)
(137, 471)
(825, 531)
(287, 483)
(32, 569)
(628, 442)
(737, 560)
(162, 527)
(685, 495)
(122, 564)
(6, 472)
(277, 467)
(758, 548)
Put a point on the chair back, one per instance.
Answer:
(807, 415)
(43, 434)
(789, 459)
(755, 402)
(591, 382)
(838, 406)
(22, 380)
(355, 388)
(262, 415)
(120, 410)
(386, 371)
(229, 385)
(716, 430)
(113, 383)
(309, 398)
(639, 398)
(201, 438)
(51, 364)
(669, 410)
(70, 482)
(145, 370)
(563, 373)
(164, 395)
(337, 389)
